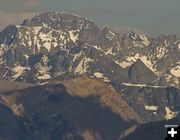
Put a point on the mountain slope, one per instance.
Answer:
(91, 107)
(153, 103)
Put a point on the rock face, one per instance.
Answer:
(111, 84)
(153, 103)
(140, 73)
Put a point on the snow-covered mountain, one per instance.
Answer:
(57, 45)
(141, 71)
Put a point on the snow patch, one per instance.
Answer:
(74, 35)
(160, 52)
(43, 67)
(77, 56)
(45, 25)
(124, 64)
(46, 40)
(18, 26)
(179, 46)
(3, 48)
(97, 47)
(170, 114)
(83, 65)
(144, 39)
(26, 56)
(44, 77)
(44, 83)
(136, 85)
(18, 71)
(132, 59)
(1, 61)
(152, 108)
(36, 29)
(101, 75)
(168, 77)
(110, 51)
(110, 35)
(142, 85)
(175, 71)
(98, 75)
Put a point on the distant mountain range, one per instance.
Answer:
(64, 78)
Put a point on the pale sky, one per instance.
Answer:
(153, 17)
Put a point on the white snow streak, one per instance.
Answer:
(152, 108)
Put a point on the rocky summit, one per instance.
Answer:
(64, 78)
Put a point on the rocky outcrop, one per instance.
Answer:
(139, 73)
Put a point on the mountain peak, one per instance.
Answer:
(58, 20)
